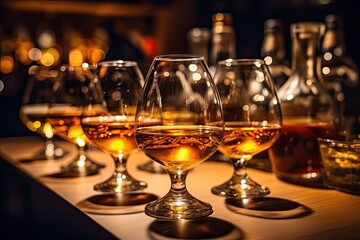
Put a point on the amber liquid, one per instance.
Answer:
(113, 134)
(295, 157)
(179, 148)
(244, 140)
(34, 118)
(66, 124)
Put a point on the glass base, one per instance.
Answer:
(81, 167)
(120, 183)
(151, 167)
(178, 207)
(50, 151)
(240, 188)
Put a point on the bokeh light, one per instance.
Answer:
(6, 64)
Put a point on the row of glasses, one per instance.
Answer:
(34, 111)
(177, 119)
(65, 112)
(180, 119)
(52, 105)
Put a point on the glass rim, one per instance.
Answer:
(84, 66)
(353, 143)
(241, 61)
(179, 57)
(118, 62)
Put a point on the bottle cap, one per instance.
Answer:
(273, 25)
(333, 21)
(224, 19)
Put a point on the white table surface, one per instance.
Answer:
(335, 214)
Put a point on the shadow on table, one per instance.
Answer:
(268, 207)
(116, 203)
(203, 228)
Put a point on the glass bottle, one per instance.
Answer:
(340, 73)
(223, 39)
(198, 40)
(273, 51)
(308, 110)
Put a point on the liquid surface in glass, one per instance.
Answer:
(243, 139)
(179, 148)
(115, 134)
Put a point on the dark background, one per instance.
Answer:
(168, 28)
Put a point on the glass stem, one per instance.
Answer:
(120, 164)
(82, 155)
(49, 148)
(240, 168)
(178, 182)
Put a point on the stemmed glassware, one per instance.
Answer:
(35, 109)
(252, 121)
(108, 119)
(65, 111)
(179, 124)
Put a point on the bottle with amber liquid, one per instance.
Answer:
(273, 51)
(309, 111)
(340, 73)
(223, 39)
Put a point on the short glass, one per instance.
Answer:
(341, 164)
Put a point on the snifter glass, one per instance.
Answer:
(179, 124)
(64, 116)
(252, 121)
(108, 119)
(35, 109)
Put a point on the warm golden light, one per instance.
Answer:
(97, 55)
(37, 124)
(75, 132)
(48, 131)
(55, 53)
(75, 57)
(6, 64)
(182, 154)
(80, 142)
(47, 59)
(35, 54)
(248, 147)
(117, 145)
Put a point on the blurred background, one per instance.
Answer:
(50, 33)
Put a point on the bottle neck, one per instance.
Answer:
(305, 52)
(334, 42)
(273, 46)
(223, 44)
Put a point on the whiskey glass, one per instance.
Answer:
(253, 121)
(68, 95)
(108, 119)
(179, 124)
(35, 109)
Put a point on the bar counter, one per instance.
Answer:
(289, 212)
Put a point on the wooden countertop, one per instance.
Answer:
(293, 212)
